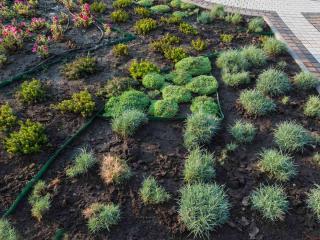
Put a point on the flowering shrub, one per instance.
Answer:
(37, 24)
(23, 7)
(11, 38)
(56, 29)
(84, 18)
(40, 47)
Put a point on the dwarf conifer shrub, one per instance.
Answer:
(235, 79)
(203, 207)
(138, 69)
(234, 18)
(312, 107)
(114, 169)
(291, 136)
(175, 3)
(120, 50)
(175, 54)
(145, 3)
(270, 201)
(153, 81)
(83, 161)
(199, 44)
(31, 91)
(180, 77)
(116, 86)
(255, 103)
(226, 38)
(27, 140)
(187, 29)
(98, 6)
(273, 82)
(164, 42)
(204, 104)
(166, 108)
(274, 47)
(232, 61)
(194, 65)
(179, 94)
(187, 6)
(277, 165)
(203, 85)
(256, 25)
(142, 11)
(79, 68)
(305, 80)
(243, 131)
(256, 57)
(122, 3)
(313, 201)
(7, 118)
(102, 216)
(162, 8)
(7, 232)
(119, 16)
(145, 25)
(152, 193)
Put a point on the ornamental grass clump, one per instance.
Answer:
(204, 104)
(31, 91)
(243, 131)
(235, 79)
(232, 61)
(177, 93)
(114, 169)
(200, 128)
(256, 25)
(127, 123)
(305, 81)
(166, 108)
(274, 47)
(83, 161)
(138, 69)
(29, 139)
(204, 17)
(256, 57)
(79, 68)
(292, 137)
(312, 107)
(277, 165)
(234, 18)
(7, 231)
(313, 201)
(270, 201)
(153, 81)
(255, 103)
(7, 118)
(203, 207)
(217, 12)
(203, 85)
(101, 216)
(194, 65)
(199, 167)
(145, 26)
(152, 193)
(273, 82)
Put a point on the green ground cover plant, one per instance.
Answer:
(204, 104)
(180, 94)
(203, 85)
(164, 108)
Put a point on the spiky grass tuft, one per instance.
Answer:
(243, 131)
(152, 193)
(83, 161)
(7, 232)
(114, 169)
(305, 81)
(312, 107)
(313, 201)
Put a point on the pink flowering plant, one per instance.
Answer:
(37, 24)
(23, 8)
(41, 47)
(11, 37)
(84, 18)
(56, 29)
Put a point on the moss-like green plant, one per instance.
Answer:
(255, 103)
(226, 38)
(128, 100)
(256, 25)
(98, 6)
(203, 85)
(271, 201)
(162, 8)
(142, 11)
(200, 128)
(199, 44)
(31, 91)
(153, 80)
(187, 29)
(291, 136)
(102, 216)
(203, 207)
(235, 79)
(180, 77)
(164, 108)
(177, 93)
(152, 193)
(120, 49)
(80, 67)
(273, 82)
(7, 232)
(122, 3)
(313, 201)
(232, 61)
(234, 18)
(145, 3)
(114, 169)
(175, 54)
(116, 86)
(204, 104)
(204, 17)
(312, 107)
(243, 131)
(199, 167)
(7, 118)
(277, 165)
(81, 102)
(305, 80)
(27, 140)
(138, 69)
(274, 47)
(119, 16)
(256, 57)
(194, 65)
(217, 12)
(83, 161)
(127, 123)
(145, 25)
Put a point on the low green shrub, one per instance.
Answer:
(162, 8)
(27, 140)
(83, 161)
(226, 38)
(127, 123)
(243, 131)
(194, 65)
(7, 231)
(234, 18)
(164, 108)
(305, 80)
(114, 169)
(154, 94)
(177, 93)
(175, 3)
(122, 3)
(204, 104)
(120, 50)
(291, 136)
(271, 201)
(145, 3)
(199, 167)
(7, 118)
(116, 86)
(153, 81)
(203, 85)
(164, 42)
(79, 68)
(138, 69)
(274, 47)
(102, 216)
(312, 107)
(273, 82)
(119, 16)
(256, 57)
(98, 6)
(203, 207)
(255, 103)
(175, 54)
(180, 77)
(145, 25)
(199, 44)
(204, 17)
(81, 102)
(187, 29)
(256, 25)
(142, 11)
(173, 19)
(277, 165)
(31, 91)
(235, 79)
(187, 6)
(180, 14)
(217, 12)
(232, 61)
(152, 193)
(313, 201)
(200, 128)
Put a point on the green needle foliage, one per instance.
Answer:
(256, 25)
(271, 201)
(175, 54)
(277, 165)
(161, 8)
(119, 16)
(234, 18)
(79, 68)
(194, 65)
(291, 136)
(116, 86)
(217, 12)
(122, 3)
(235, 79)
(243, 131)
(256, 57)
(180, 77)
(7, 232)
(205, 104)
(203, 207)
(98, 6)
(164, 108)
(7, 118)
(187, 29)
(312, 107)
(199, 167)
(313, 201)
(305, 81)
(31, 91)
(145, 25)
(153, 81)
(152, 193)
(203, 85)
(180, 94)
(232, 61)
(83, 161)
(138, 69)
(274, 47)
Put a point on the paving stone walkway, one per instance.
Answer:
(297, 22)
